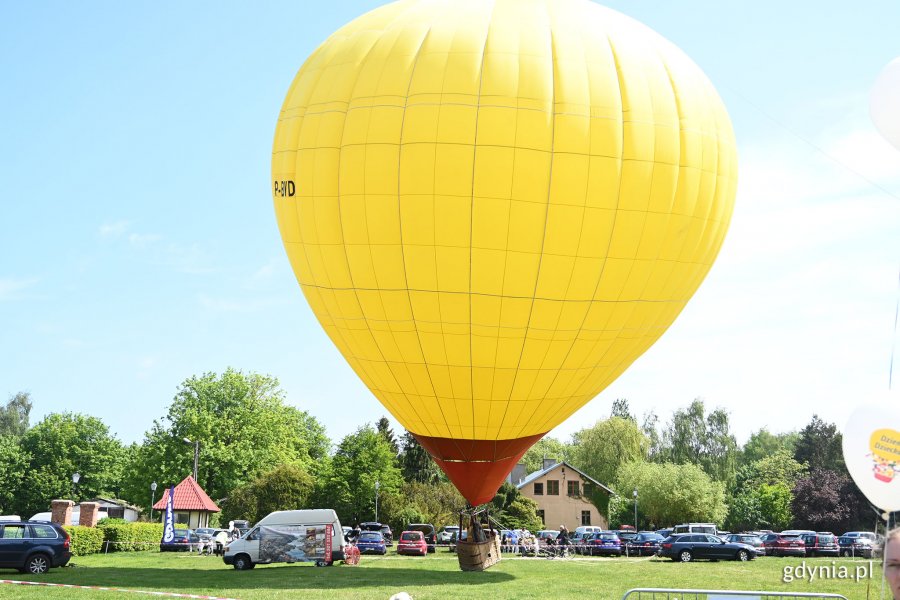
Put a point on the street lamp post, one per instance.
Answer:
(635, 510)
(377, 485)
(152, 498)
(75, 478)
(196, 454)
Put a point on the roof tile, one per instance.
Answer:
(188, 496)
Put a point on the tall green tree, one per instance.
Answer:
(705, 440)
(669, 494)
(244, 426)
(59, 446)
(774, 469)
(762, 443)
(361, 459)
(620, 409)
(15, 415)
(14, 464)
(650, 429)
(416, 464)
(600, 450)
(286, 487)
(515, 511)
(820, 446)
(384, 428)
(546, 447)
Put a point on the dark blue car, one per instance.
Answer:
(605, 543)
(371, 542)
(33, 547)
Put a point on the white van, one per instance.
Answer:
(587, 529)
(709, 528)
(313, 535)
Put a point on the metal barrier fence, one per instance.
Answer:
(686, 594)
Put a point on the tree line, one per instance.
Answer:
(693, 469)
(258, 453)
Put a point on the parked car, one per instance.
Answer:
(644, 544)
(371, 542)
(447, 534)
(749, 539)
(686, 547)
(627, 536)
(387, 534)
(581, 541)
(185, 540)
(412, 542)
(664, 532)
(427, 530)
(780, 544)
(821, 544)
(33, 547)
(855, 545)
(547, 536)
(605, 543)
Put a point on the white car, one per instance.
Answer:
(447, 534)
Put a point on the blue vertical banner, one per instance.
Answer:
(169, 520)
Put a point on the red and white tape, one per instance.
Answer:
(112, 589)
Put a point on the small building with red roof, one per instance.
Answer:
(190, 504)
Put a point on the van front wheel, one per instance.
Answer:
(242, 562)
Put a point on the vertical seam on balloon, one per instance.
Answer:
(374, 341)
(537, 278)
(472, 207)
(564, 300)
(503, 296)
(438, 291)
(318, 292)
(400, 223)
(627, 355)
(621, 86)
(426, 424)
(343, 238)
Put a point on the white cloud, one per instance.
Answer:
(10, 288)
(797, 316)
(115, 229)
(143, 239)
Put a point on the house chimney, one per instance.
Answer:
(518, 474)
(549, 462)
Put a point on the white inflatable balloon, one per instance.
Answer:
(884, 103)
(872, 453)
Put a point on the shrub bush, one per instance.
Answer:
(85, 540)
(132, 537)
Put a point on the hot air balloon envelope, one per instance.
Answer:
(493, 208)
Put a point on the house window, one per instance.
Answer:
(585, 517)
(182, 518)
(540, 515)
(539, 489)
(572, 488)
(553, 487)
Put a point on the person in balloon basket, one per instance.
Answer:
(892, 561)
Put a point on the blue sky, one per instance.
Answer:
(138, 243)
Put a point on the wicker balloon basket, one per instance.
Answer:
(478, 556)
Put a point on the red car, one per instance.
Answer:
(412, 542)
(777, 544)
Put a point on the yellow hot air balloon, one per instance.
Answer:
(494, 207)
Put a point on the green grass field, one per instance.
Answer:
(435, 576)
